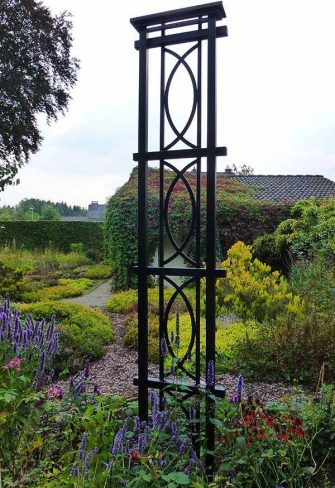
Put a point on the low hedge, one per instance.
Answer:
(227, 337)
(57, 234)
(65, 288)
(83, 332)
(126, 301)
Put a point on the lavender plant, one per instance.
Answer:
(154, 453)
(27, 352)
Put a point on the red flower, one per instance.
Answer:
(134, 455)
(283, 437)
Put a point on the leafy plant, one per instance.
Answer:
(83, 332)
(308, 234)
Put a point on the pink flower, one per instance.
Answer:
(55, 392)
(14, 364)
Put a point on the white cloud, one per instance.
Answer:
(276, 111)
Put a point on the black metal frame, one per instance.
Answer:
(161, 23)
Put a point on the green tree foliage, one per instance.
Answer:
(56, 210)
(48, 212)
(36, 74)
(309, 233)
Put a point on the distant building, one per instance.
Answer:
(95, 213)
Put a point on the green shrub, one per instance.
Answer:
(294, 349)
(41, 261)
(314, 282)
(226, 337)
(98, 272)
(57, 234)
(66, 288)
(84, 331)
(11, 281)
(126, 301)
(130, 337)
(310, 234)
(251, 290)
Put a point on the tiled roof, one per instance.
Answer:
(289, 188)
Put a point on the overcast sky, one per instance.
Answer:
(276, 73)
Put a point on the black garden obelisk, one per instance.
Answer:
(196, 27)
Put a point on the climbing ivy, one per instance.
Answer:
(240, 217)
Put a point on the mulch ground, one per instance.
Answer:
(115, 371)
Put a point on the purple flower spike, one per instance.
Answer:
(83, 446)
(163, 347)
(240, 387)
(210, 374)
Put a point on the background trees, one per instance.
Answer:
(36, 74)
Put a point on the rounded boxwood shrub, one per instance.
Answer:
(126, 301)
(83, 332)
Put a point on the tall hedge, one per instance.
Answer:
(57, 234)
(240, 217)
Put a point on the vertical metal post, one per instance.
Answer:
(211, 230)
(142, 229)
(181, 147)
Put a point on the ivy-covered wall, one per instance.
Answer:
(44, 233)
(240, 216)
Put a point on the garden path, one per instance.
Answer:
(95, 298)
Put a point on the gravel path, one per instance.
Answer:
(96, 298)
(115, 371)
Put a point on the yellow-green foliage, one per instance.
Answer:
(97, 272)
(49, 259)
(65, 288)
(130, 337)
(126, 301)
(226, 337)
(83, 331)
(251, 290)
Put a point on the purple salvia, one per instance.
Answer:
(210, 374)
(183, 446)
(86, 463)
(83, 446)
(51, 327)
(42, 362)
(240, 387)
(74, 471)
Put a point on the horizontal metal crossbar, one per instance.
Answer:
(166, 271)
(175, 25)
(178, 154)
(214, 9)
(218, 391)
(196, 35)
